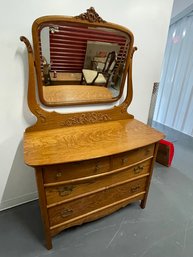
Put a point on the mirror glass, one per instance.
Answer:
(81, 63)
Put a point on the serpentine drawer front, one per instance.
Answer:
(73, 208)
(74, 192)
(128, 158)
(82, 191)
(75, 170)
(80, 186)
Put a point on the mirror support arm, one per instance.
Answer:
(31, 96)
(129, 95)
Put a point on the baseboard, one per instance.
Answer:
(18, 201)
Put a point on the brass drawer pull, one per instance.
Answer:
(97, 167)
(135, 188)
(124, 161)
(66, 213)
(138, 169)
(65, 190)
(58, 174)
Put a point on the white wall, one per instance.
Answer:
(17, 183)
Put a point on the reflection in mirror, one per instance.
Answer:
(80, 63)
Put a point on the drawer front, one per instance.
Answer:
(78, 207)
(75, 170)
(131, 157)
(56, 194)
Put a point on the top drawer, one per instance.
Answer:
(131, 157)
(68, 171)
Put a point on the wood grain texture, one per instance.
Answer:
(86, 142)
(143, 202)
(96, 214)
(43, 209)
(87, 164)
(54, 19)
(76, 94)
(49, 120)
(63, 172)
(94, 201)
(132, 157)
(65, 77)
(59, 193)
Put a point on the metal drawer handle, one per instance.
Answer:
(66, 213)
(58, 174)
(124, 160)
(66, 190)
(97, 167)
(138, 169)
(135, 188)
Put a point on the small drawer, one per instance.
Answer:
(60, 193)
(131, 157)
(68, 171)
(81, 206)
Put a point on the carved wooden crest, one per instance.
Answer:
(90, 15)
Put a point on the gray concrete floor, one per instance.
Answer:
(163, 229)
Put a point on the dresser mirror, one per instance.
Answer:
(81, 59)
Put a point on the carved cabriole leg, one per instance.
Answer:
(143, 202)
(43, 208)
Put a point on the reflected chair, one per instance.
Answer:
(97, 75)
(46, 71)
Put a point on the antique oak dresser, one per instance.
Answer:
(87, 164)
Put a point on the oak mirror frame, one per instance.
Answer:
(81, 60)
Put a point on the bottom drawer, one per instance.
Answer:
(75, 208)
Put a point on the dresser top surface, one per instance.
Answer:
(85, 142)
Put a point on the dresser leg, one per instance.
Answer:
(48, 242)
(143, 204)
(43, 207)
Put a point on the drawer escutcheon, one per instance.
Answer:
(65, 190)
(138, 169)
(58, 174)
(135, 188)
(66, 213)
(124, 160)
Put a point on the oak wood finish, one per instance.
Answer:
(57, 20)
(75, 94)
(90, 164)
(69, 78)
(73, 188)
(72, 144)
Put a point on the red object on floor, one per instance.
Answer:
(165, 153)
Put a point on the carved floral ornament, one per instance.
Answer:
(86, 119)
(90, 15)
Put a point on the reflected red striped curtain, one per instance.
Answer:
(68, 46)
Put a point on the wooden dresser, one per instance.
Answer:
(86, 172)
(87, 164)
